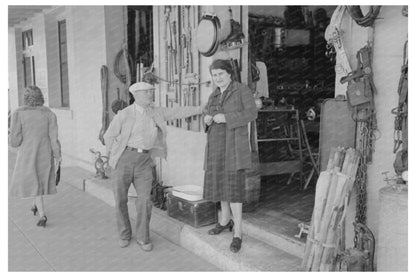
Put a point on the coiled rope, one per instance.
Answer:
(119, 57)
(361, 19)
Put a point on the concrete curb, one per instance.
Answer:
(254, 255)
(289, 245)
(99, 191)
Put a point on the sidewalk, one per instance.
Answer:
(81, 235)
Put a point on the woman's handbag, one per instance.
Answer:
(58, 174)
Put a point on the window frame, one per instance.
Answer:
(27, 49)
(63, 62)
(27, 39)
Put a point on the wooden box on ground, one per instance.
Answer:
(195, 213)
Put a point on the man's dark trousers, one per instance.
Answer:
(136, 168)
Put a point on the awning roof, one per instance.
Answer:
(18, 14)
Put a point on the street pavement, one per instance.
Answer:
(81, 235)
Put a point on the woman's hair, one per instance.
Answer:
(33, 96)
(221, 64)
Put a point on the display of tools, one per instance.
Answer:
(189, 60)
(174, 47)
(165, 38)
(183, 85)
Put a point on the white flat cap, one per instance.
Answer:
(139, 86)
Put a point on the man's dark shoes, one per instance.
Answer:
(145, 246)
(235, 245)
(123, 242)
(219, 228)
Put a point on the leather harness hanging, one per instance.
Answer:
(360, 95)
(361, 88)
(400, 122)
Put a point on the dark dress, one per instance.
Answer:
(220, 184)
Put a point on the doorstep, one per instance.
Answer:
(262, 250)
(276, 231)
(255, 255)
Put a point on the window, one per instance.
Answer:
(27, 39)
(63, 63)
(28, 58)
(29, 70)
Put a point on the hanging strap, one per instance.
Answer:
(402, 90)
(333, 35)
(400, 121)
(104, 94)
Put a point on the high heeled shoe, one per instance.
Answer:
(34, 209)
(235, 245)
(42, 221)
(219, 228)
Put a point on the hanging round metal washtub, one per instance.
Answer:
(208, 35)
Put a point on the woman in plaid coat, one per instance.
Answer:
(231, 108)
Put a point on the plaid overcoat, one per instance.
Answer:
(239, 109)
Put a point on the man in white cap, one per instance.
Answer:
(135, 136)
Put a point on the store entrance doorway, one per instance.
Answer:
(292, 75)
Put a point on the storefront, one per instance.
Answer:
(279, 51)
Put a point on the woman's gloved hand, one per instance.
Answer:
(208, 119)
(219, 118)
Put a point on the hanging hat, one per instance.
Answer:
(140, 86)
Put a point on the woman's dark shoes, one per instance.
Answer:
(34, 209)
(235, 245)
(42, 221)
(219, 228)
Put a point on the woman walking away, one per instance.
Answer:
(230, 108)
(34, 131)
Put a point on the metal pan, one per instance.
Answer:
(337, 128)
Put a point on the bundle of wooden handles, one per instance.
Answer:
(331, 201)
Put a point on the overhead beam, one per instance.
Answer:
(18, 14)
